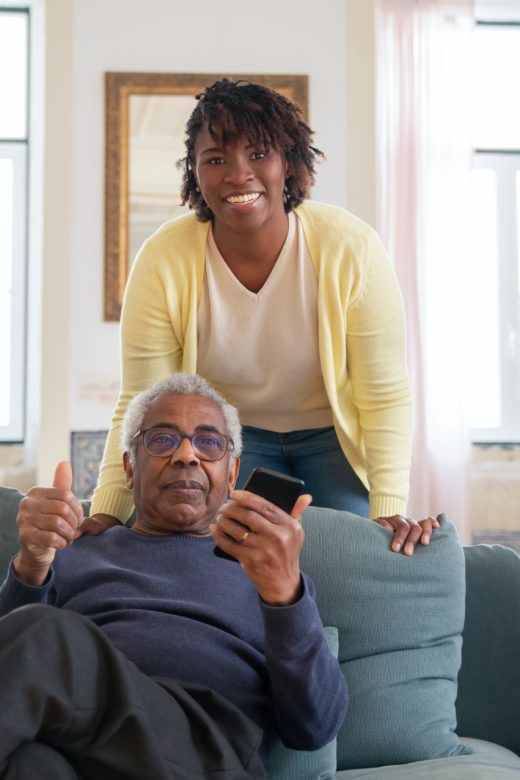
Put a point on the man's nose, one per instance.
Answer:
(185, 453)
(239, 170)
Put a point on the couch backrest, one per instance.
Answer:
(488, 701)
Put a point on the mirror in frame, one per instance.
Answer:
(145, 116)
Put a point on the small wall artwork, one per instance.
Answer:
(86, 455)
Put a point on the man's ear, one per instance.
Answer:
(233, 473)
(129, 470)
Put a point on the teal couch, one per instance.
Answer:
(430, 646)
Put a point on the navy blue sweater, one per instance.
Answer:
(176, 610)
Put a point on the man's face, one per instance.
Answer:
(179, 493)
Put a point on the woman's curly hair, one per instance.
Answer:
(241, 108)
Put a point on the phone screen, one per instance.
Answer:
(280, 489)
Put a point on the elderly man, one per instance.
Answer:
(144, 655)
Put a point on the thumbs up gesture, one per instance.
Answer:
(47, 522)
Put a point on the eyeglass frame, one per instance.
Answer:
(142, 431)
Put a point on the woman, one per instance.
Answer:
(290, 308)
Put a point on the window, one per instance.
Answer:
(494, 257)
(14, 35)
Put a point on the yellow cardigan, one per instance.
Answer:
(361, 342)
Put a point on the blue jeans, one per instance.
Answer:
(313, 455)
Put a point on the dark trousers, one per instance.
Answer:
(72, 707)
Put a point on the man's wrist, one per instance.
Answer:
(29, 572)
(283, 598)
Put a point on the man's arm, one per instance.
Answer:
(308, 691)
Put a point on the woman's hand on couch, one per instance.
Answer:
(408, 532)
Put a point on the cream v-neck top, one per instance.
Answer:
(260, 350)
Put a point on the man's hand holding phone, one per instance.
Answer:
(266, 541)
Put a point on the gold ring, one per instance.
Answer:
(244, 537)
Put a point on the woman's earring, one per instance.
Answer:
(286, 194)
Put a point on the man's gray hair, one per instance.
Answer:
(178, 384)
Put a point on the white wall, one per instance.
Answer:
(52, 374)
(74, 376)
(292, 36)
(361, 109)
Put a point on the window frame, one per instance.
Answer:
(17, 150)
(505, 163)
(506, 166)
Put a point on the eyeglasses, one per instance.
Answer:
(163, 442)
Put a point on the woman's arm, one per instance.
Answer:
(150, 351)
(376, 364)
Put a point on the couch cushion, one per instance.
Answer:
(9, 500)
(486, 762)
(400, 621)
(488, 704)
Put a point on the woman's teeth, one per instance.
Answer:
(243, 198)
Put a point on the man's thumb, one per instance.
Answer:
(63, 476)
(302, 502)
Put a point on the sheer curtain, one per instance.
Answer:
(424, 158)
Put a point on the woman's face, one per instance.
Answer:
(242, 183)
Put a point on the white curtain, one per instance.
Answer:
(424, 160)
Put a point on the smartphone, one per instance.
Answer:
(280, 489)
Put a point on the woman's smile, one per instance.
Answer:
(247, 199)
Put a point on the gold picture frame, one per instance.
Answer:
(119, 88)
